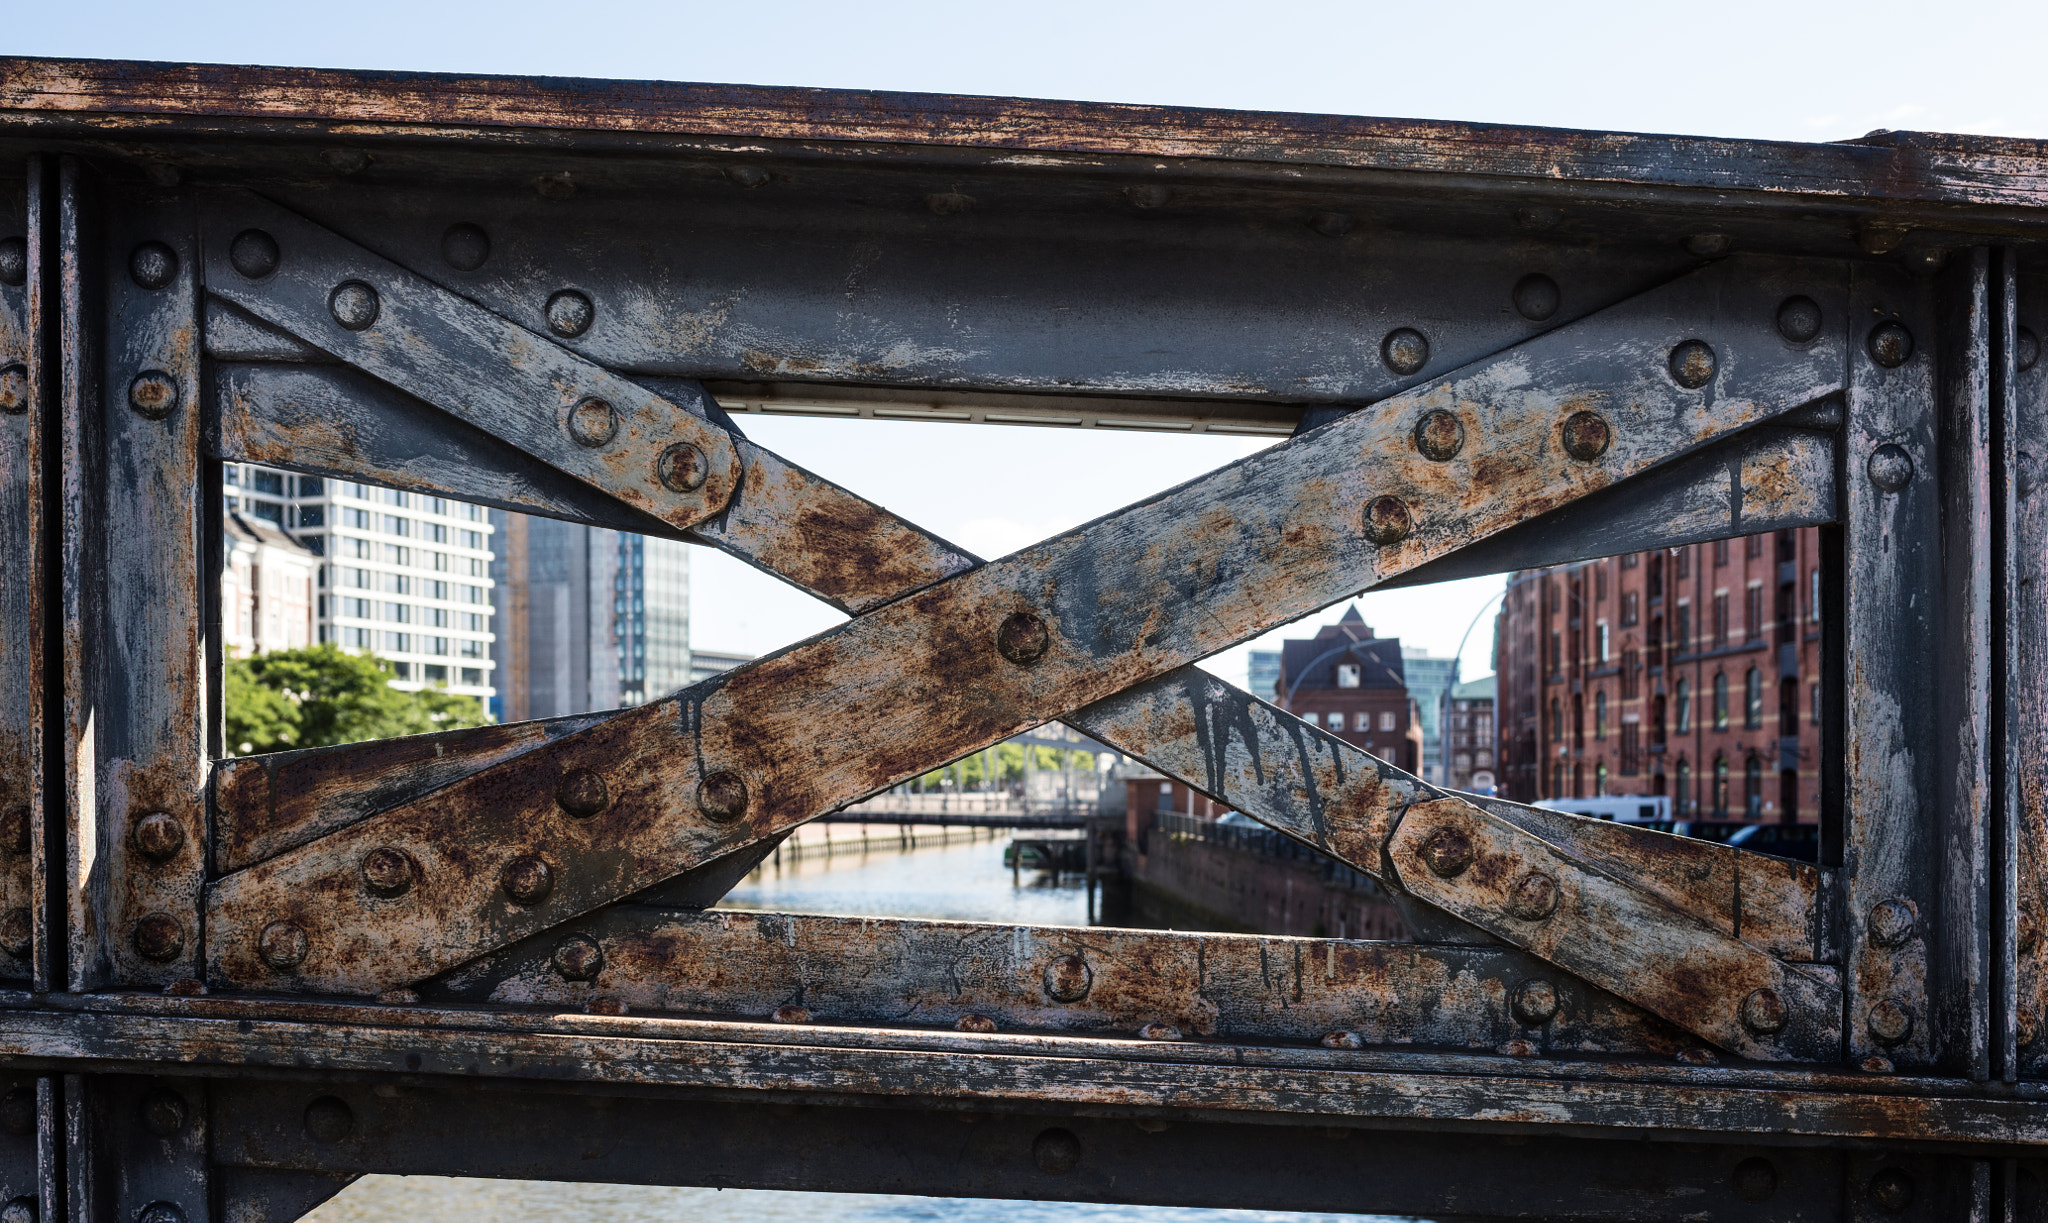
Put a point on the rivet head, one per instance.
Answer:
(1404, 351)
(1708, 245)
(2026, 350)
(579, 958)
(152, 265)
(253, 253)
(17, 927)
(527, 879)
(153, 394)
(1890, 344)
(1890, 467)
(1535, 297)
(1763, 1012)
(1068, 979)
(1692, 364)
(1022, 638)
(1159, 1031)
(593, 422)
(19, 1210)
(1056, 1152)
(1889, 1022)
(353, 304)
(1439, 436)
(1447, 852)
(1586, 436)
(722, 796)
(979, 1024)
(582, 793)
(18, 1112)
(159, 836)
(1535, 1003)
(159, 937)
(1755, 1180)
(163, 1112)
(13, 261)
(1386, 521)
(1891, 1191)
(282, 945)
(465, 246)
(389, 872)
(569, 313)
(1533, 897)
(682, 468)
(14, 389)
(1799, 319)
(1892, 922)
(1342, 1040)
(329, 1119)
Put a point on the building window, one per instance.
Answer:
(1600, 714)
(1631, 560)
(1387, 720)
(1681, 642)
(1600, 635)
(1684, 703)
(1813, 598)
(1362, 722)
(1347, 675)
(1628, 609)
(1755, 610)
(1336, 719)
(1685, 562)
(1556, 721)
(1556, 653)
(1753, 788)
(1631, 749)
(1599, 583)
(1720, 618)
(1753, 545)
(472, 675)
(1631, 686)
(1686, 802)
(1816, 704)
(1720, 700)
(1753, 699)
(1721, 787)
(1600, 781)
(1720, 553)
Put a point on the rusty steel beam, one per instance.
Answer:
(1034, 635)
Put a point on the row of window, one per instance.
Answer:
(1687, 803)
(350, 577)
(1389, 720)
(394, 524)
(420, 502)
(1752, 707)
(351, 548)
(405, 613)
(386, 642)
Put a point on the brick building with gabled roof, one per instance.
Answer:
(1352, 684)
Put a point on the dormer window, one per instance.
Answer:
(1347, 675)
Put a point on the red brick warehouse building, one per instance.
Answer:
(1353, 685)
(1692, 672)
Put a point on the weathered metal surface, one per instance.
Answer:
(410, 332)
(136, 1145)
(22, 435)
(1273, 536)
(1110, 982)
(2025, 482)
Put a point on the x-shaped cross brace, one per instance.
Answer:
(1099, 626)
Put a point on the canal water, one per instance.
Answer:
(964, 882)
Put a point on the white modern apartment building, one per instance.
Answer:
(403, 575)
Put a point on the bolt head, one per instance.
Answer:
(1889, 1022)
(1343, 1040)
(14, 389)
(1891, 1191)
(282, 945)
(1799, 319)
(1439, 436)
(1056, 1152)
(158, 937)
(1692, 364)
(1068, 979)
(722, 796)
(19, 1210)
(465, 246)
(1386, 521)
(682, 468)
(13, 261)
(354, 305)
(1763, 1012)
(527, 879)
(389, 872)
(582, 793)
(163, 1112)
(569, 313)
(253, 253)
(1023, 639)
(1892, 922)
(1533, 897)
(152, 265)
(1755, 1180)
(2026, 350)
(1586, 436)
(17, 928)
(1536, 297)
(1448, 852)
(1405, 351)
(1890, 344)
(981, 1024)
(594, 423)
(1535, 1003)
(329, 1119)
(1890, 467)
(578, 958)
(159, 836)
(153, 394)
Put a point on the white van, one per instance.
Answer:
(1621, 808)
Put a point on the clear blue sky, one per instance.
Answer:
(1812, 71)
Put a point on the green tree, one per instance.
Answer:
(319, 695)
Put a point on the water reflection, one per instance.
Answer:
(963, 882)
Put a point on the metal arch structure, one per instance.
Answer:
(235, 984)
